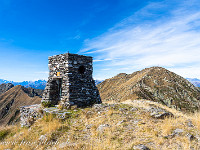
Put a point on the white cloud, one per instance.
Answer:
(171, 41)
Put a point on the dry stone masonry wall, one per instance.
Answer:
(70, 81)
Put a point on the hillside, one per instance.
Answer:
(11, 100)
(156, 84)
(132, 125)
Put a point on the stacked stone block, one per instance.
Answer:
(70, 81)
(29, 114)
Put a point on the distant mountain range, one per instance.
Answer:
(39, 84)
(98, 81)
(194, 81)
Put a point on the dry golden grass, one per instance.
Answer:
(123, 129)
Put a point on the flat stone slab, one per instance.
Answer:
(29, 114)
(35, 106)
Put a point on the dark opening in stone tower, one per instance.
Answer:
(70, 81)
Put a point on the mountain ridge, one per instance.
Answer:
(156, 84)
(15, 97)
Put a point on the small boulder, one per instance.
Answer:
(120, 122)
(43, 138)
(159, 113)
(140, 147)
(102, 127)
(63, 145)
(190, 136)
(189, 123)
(88, 126)
(133, 109)
(178, 131)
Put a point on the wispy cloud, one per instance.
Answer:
(160, 34)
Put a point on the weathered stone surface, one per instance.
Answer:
(159, 113)
(5, 87)
(190, 136)
(32, 92)
(29, 114)
(43, 138)
(189, 123)
(178, 131)
(70, 81)
(102, 127)
(140, 147)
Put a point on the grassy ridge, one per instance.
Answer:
(108, 126)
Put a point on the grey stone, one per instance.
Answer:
(190, 136)
(43, 138)
(63, 145)
(133, 109)
(159, 113)
(175, 132)
(89, 126)
(140, 147)
(5, 87)
(120, 122)
(97, 106)
(189, 123)
(102, 127)
(29, 114)
(178, 131)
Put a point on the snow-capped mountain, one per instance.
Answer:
(39, 84)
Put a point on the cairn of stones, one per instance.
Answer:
(70, 81)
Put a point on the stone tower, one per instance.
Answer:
(70, 81)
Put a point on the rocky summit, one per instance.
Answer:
(156, 84)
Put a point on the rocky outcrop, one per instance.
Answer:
(29, 114)
(32, 92)
(5, 87)
(140, 147)
(157, 84)
(159, 113)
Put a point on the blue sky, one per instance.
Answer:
(121, 35)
